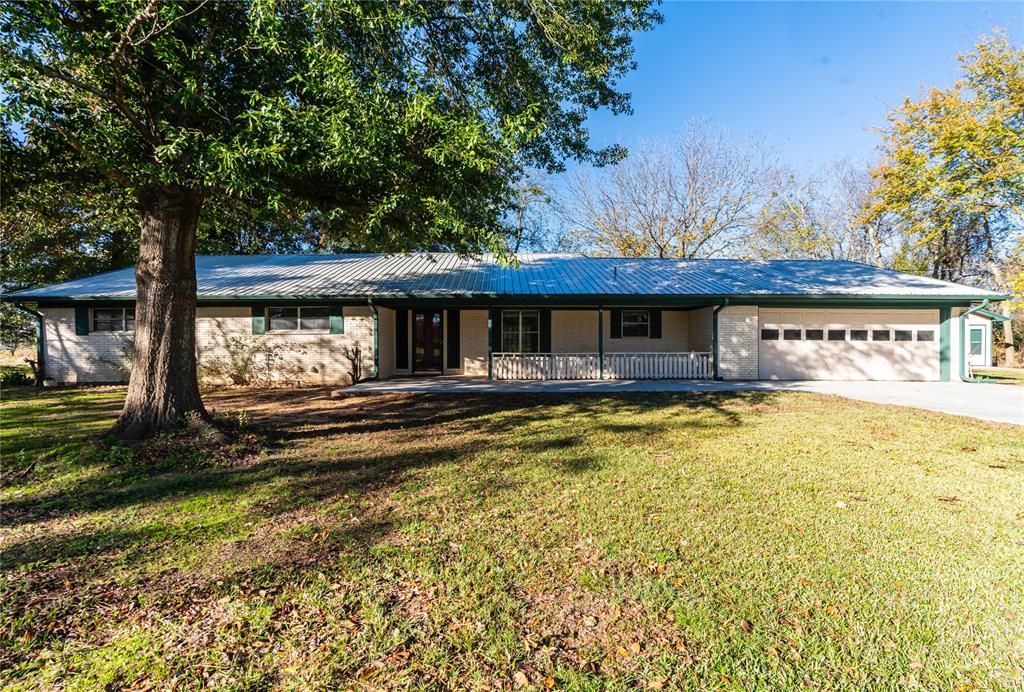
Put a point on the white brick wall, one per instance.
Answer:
(737, 342)
(473, 336)
(98, 357)
(574, 331)
(297, 357)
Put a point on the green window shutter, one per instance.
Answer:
(259, 319)
(337, 319)
(495, 317)
(655, 324)
(454, 346)
(616, 324)
(545, 330)
(82, 321)
(401, 338)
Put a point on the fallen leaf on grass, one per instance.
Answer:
(520, 679)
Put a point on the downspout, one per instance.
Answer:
(714, 338)
(40, 346)
(600, 342)
(376, 340)
(962, 355)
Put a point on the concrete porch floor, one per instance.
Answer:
(993, 402)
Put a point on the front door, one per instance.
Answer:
(427, 340)
(977, 347)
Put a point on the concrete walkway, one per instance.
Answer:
(994, 402)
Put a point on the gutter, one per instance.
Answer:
(40, 346)
(714, 338)
(961, 354)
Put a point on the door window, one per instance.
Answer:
(977, 340)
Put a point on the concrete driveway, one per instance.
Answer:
(994, 402)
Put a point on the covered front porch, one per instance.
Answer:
(549, 343)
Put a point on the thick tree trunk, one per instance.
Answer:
(163, 392)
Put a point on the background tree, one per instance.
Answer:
(953, 167)
(530, 212)
(697, 197)
(821, 217)
(399, 126)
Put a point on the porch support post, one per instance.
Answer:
(600, 342)
(490, 342)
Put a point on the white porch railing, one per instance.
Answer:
(546, 366)
(587, 366)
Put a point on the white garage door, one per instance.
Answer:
(817, 344)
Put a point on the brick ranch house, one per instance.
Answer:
(326, 319)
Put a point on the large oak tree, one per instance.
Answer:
(395, 125)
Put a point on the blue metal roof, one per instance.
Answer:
(250, 277)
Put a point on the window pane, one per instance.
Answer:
(769, 335)
(814, 335)
(129, 320)
(791, 334)
(903, 335)
(837, 335)
(636, 316)
(531, 342)
(510, 331)
(880, 335)
(636, 323)
(858, 335)
(108, 320)
(925, 335)
(977, 340)
(283, 318)
(643, 330)
(531, 321)
(314, 318)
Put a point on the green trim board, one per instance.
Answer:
(337, 318)
(944, 343)
(82, 320)
(994, 316)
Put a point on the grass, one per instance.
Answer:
(1000, 375)
(705, 541)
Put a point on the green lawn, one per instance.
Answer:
(728, 540)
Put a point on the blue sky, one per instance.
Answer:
(813, 78)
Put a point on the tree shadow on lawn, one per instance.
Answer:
(321, 450)
(423, 430)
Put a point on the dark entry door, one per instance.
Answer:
(427, 339)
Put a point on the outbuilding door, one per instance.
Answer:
(820, 344)
(978, 349)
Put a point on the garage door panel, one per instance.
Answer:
(848, 359)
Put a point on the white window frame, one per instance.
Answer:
(124, 321)
(646, 324)
(298, 319)
(519, 330)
